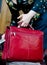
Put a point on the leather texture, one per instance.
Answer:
(23, 44)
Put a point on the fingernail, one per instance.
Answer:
(19, 26)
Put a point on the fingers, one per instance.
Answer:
(22, 25)
(19, 26)
(20, 16)
(23, 21)
(20, 21)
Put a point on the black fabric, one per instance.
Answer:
(14, 9)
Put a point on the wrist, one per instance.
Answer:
(31, 13)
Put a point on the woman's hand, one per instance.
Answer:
(25, 18)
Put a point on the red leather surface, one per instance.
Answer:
(23, 45)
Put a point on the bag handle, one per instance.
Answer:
(29, 27)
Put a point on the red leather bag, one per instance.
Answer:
(23, 44)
